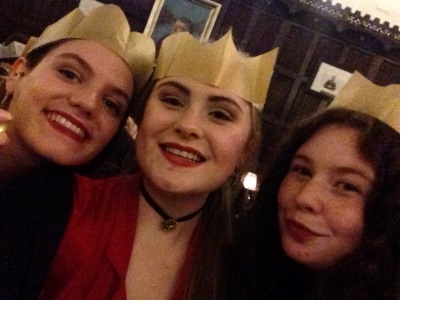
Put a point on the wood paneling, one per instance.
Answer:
(237, 17)
(294, 49)
(263, 34)
(280, 89)
(389, 73)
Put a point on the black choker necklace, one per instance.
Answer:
(169, 223)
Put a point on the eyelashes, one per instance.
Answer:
(340, 184)
(218, 114)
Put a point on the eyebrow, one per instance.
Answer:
(177, 85)
(213, 99)
(226, 99)
(86, 66)
(349, 170)
(341, 169)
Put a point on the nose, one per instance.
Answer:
(310, 197)
(86, 100)
(189, 124)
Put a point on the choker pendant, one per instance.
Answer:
(169, 223)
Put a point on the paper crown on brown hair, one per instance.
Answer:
(108, 26)
(218, 64)
(360, 94)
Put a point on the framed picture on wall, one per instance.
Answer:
(169, 16)
(329, 80)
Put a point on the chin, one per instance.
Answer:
(63, 160)
(292, 249)
(299, 253)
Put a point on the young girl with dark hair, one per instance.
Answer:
(326, 222)
(65, 104)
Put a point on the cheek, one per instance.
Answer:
(150, 128)
(229, 147)
(26, 106)
(285, 195)
(108, 129)
(348, 225)
(147, 132)
(154, 119)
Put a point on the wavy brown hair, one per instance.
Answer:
(257, 265)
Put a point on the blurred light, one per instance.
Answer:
(250, 181)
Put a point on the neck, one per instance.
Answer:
(17, 159)
(175, 205)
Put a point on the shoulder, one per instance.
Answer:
(108, 192)
(122, 182)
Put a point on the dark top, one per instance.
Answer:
(33, 214)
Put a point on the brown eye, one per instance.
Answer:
(172, 101)
(301, 170)
(112, 106)
(349, 187)
(221, 115)
(68, 74)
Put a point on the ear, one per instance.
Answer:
(17, 71)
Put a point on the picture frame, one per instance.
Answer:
(329, 80)
(198, 16)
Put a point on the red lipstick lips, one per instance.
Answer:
(181, 155)
(300, 232)
(67, 125)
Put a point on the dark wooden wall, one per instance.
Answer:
(306, 38)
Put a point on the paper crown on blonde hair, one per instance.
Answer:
(360, 94)
(108, 26)
(218, 64)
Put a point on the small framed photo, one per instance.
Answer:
(329, 80)
(169, 16)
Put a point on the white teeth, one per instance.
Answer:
(184, 154)
(66, 123)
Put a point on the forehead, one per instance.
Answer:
(334, 141)
(94, 57)
(336, 146)
(88, 50)
(196, 88)
(337, 133)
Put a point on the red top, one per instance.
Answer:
(93, 257)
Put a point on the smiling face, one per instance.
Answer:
(322, 198)
(192, 136)
(69, 106)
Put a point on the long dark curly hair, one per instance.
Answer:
(259, 269)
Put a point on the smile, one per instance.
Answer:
(186, 155)
(302, 233)
(57, 118)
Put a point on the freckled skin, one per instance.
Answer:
(322, 198)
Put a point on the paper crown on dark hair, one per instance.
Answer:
(360, 94)
(218, 64)
(108, 26)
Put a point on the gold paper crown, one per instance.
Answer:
(360, 94)
(108, 26)
(218, 64)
